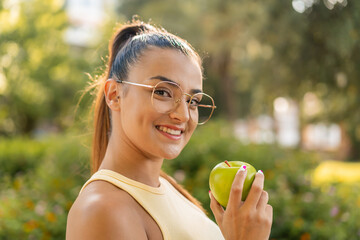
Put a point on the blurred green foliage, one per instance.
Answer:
(39, 179)
(35, 199)
(41, 76)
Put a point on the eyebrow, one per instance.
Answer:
(165, 79)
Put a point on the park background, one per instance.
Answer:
(284, 76)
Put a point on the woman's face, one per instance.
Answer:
(143, 126)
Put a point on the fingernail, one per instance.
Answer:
(209, 193)
(261, 172)
(242, 168)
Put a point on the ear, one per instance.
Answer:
(112, 94)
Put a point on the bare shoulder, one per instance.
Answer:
(102, 211)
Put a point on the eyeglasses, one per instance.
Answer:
(167, 95)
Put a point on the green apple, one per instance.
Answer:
(222, 177)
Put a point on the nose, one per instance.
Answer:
(181, 111)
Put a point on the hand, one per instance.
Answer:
(245, 220)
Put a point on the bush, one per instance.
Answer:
(40, 180)
(19, 155)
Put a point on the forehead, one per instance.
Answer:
(170, 63)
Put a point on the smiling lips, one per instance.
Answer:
(171, 133)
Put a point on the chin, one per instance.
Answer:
(171, 153)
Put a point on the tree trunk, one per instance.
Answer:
(227, 86)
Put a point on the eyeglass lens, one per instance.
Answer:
(166, 96)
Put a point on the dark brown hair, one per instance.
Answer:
(125, 48)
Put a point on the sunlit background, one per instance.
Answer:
(284, 76)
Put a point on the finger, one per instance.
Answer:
(269, 212)
(255, 191)
(237, 188)
(216, 208)
(264, 198)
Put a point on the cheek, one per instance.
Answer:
(135, 105)
(138, 116)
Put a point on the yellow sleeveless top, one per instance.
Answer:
(177, 217)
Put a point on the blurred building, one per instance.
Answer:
(284, 128)
(286, 114)
(259, 130)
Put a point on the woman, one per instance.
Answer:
(147, 107)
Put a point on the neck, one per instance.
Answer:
(123, 157)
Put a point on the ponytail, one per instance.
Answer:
(101, 129)
(120, 59)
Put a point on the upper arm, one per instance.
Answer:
(100, 217)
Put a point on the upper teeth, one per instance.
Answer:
(170, 131)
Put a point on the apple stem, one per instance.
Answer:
(227, 163)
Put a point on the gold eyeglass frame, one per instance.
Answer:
(176, 100)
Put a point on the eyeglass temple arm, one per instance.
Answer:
(208, 106)
(136, 84)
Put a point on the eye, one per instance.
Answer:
(193, 103)
(163, 92)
